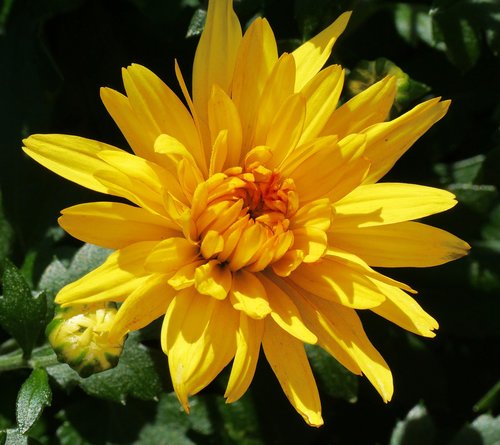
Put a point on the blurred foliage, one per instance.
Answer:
(55, 54)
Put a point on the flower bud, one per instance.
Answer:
(79, 336)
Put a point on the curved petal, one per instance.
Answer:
(285, 313)
(249, 295)
(114, 280)
(213, 279)
(170, 254)
(369, 107)
(114, 225)
(71, 157)
(248, 340)
(387, 203)
(216, 53)
(144, 305)
(388, 141)
(405, 244)
(295, 376)
(313, 54)
(197, 348)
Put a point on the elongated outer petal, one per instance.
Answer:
(322, 94)
(71, 157)
(388, 141)
(404, 311)
(405, 244)
(114, 280)
(369, 107)
(349, 327)
(248, 340)
(249, 295)
(313, 54)
(289, 362)
(256, 57)
(216, 53)
(388, 203)
(114, 225)
(144, 305)
(285, 313)
(197, 347)
(338, 283)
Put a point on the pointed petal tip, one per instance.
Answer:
(313, 419)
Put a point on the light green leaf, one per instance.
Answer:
(416, 429)
(484, 430)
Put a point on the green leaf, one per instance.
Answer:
(197, 23)
(368, 72)
(413, 23)
(417, 428)
(86, 259)
(22, 314)
(34, 396)
(140, 373)
(484, 430)
(332, 377)
(478, 198)
(490, 401)
(14, 437)
(5, 233)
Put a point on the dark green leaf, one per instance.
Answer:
(140, 373)
(485, 430)
(417, 428)
(34, 396)
(5, 233)
(490, 401)
(22, 314)
(413, 23)
(478, 198)
(332, 377)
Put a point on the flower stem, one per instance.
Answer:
(41, 357)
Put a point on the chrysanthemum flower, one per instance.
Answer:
(257, 214)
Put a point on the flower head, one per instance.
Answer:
(257, 214)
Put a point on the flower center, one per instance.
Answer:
(245, 218)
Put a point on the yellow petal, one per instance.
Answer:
(369, 107)
(337, 282)
(288, 263)
(197, 347)
(285, 313)
(215, 56)
(220, 149)
(289, 362)
(223, 115)
(349, 327)
(406, 244)
(322, 94)
(329, 337)
(313, 54)
(257, 55)
(388, 203)
(114, 225)
(278, 88)
(184, 276)
(212, 244)
(114, 280)
(170, 254)
(404, 311)
(213, 279)
(71, 157)
(249, 295)
(388, 141)
(249, 245)
(286, 128)
(317, 214)
(248, 340)
(144, 305)
(312, 241)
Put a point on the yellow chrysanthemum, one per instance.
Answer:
(257, 214)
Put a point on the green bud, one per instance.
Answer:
(79, 335)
